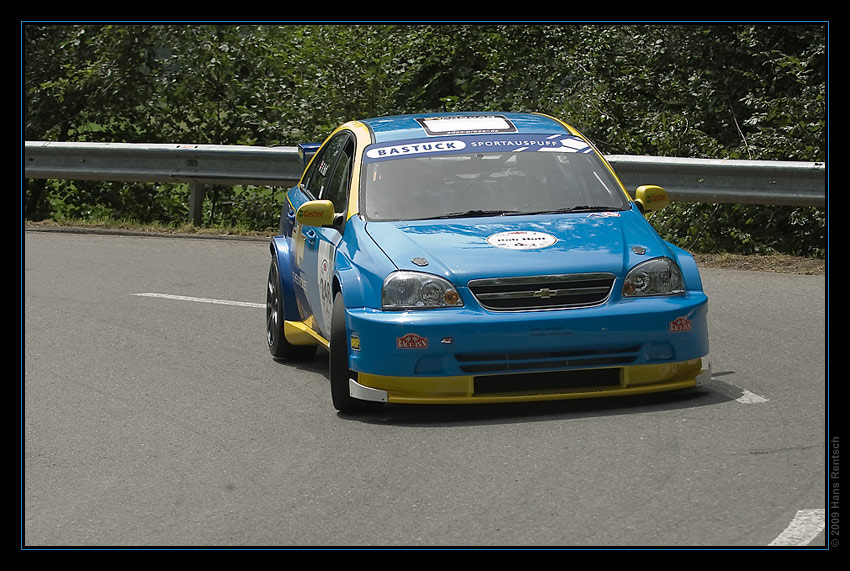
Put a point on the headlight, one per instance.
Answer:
(415, 290)
(660, 276)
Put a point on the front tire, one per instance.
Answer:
(279, 347)
(338, 364)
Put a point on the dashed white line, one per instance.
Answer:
(200, 299)
(805, 526)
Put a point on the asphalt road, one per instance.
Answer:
(158, 421)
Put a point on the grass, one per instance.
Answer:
(127, 224)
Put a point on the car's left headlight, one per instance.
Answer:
(660, 276)
(417, 290)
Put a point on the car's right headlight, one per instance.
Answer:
(659, 276)
(417, 290)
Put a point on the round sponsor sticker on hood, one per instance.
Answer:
(521, 240)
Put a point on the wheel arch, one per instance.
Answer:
(688, 265)
(349, 280)
(280, 253)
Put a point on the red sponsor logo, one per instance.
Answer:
(411, 341)
(680, 324)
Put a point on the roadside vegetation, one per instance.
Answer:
(732, 91)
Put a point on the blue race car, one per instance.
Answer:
(479, 258)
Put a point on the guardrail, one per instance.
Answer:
(686, 180)
(783, 183)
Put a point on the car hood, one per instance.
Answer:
(470, 248)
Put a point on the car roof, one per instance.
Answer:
(406, 127)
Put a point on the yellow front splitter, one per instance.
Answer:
(640, 379)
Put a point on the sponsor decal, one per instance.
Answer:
(324, 270)
(517, 144)
(411, 341)
(680, 324)
(521, 240)
(415, 149)
(355, 342)
(479, 141)
(306, 213)
(455, 125)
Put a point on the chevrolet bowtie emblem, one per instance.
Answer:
(545, 293)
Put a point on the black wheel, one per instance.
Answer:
(279, 347)
(338, 364)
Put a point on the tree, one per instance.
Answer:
(715, 91)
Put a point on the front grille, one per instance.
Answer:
(543, 292)
(553, 381)
(536, 360)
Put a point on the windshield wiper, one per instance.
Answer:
(473, 214)
(482, 213)
(580, 208)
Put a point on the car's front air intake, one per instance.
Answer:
(543, 292)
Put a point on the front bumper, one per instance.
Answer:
(462, 390)
(469, 355)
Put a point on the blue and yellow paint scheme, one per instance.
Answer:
(500, 330)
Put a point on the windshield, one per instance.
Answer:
(449, 179)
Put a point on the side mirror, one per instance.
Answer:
(315, 213)
(650, 198)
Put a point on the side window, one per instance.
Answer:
(336, 189)
(322, 165)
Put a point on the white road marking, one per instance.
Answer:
(750, 398)
(805, 526)
(745, 396)
(201, 299)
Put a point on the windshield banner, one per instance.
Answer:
(496, 143)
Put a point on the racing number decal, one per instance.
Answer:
(325, 278)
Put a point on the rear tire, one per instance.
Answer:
(279, 347)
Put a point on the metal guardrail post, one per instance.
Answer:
(196, 203)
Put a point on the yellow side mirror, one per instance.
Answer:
(316, 213)
(651, 198)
